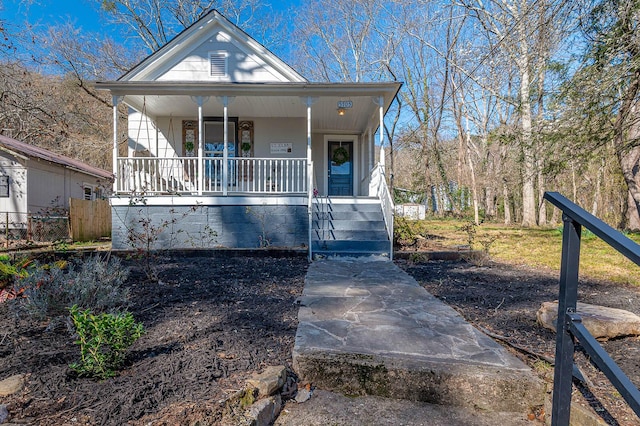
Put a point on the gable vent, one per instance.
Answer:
(218, 63)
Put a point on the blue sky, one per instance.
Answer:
(47, 12)
(82, 13)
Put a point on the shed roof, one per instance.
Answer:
(33, 152)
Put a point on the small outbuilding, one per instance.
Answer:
(35, 181)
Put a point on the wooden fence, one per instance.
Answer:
(90, 220)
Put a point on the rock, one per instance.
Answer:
(269, 381)
(12, 384)
(265, 411)
(4, 413)
(602, 322)
(303, 395)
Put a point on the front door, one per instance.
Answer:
(340, 168)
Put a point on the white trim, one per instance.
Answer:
(192, 200)
(325, 160)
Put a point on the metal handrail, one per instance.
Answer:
(569, 322)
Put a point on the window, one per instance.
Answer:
(4, 186)
(218, 62)
(91, 193)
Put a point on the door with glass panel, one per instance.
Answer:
(340, 171)
(214, 151)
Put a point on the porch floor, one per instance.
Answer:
(368, 328)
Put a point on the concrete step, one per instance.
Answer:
(350, 235)
(353, 246)
(350, 225)
(368, 328)
(349, 215)
(329, 408)
(352, 206)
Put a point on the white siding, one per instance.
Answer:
(241, 66)
(170, 136)
(50, 185)
(274, 130)
(17, 172)
(142, 133)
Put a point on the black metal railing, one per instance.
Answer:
(569, 325)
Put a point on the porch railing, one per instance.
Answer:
(570, 325)
(179, 175)
(378, 188)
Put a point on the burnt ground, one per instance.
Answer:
(503, 300)
(213, 320)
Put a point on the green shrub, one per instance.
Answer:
(406, 232)
(10, 272)
(92, 283)
(104, 340)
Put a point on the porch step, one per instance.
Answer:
(350, 235)
(349, 215)
(351, 228)
(349, 225)
(350, 248)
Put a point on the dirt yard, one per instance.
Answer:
(213, 320)
(503, 300)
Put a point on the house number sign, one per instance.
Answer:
(345, 104)
(281, 148)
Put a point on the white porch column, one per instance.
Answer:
(225, 150)
(116, 101)
(310, 188)
(309, 103)
(372, 149)
(200, 102)
(381, 108)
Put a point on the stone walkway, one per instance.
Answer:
(368, 328)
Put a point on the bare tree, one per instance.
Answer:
(516, 28)
(152, 23)
(602, 99)
(339, 40)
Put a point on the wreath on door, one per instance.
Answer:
(340, 156)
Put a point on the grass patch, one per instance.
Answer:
(540, 248)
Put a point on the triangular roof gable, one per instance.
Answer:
(212, 26)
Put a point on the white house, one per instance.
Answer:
(33, 179)
(35, 184)
(228, 146)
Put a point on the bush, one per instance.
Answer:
(10, 272)
(407, 232)
(93, 283)
(104, 340)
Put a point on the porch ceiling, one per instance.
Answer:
(263, 100)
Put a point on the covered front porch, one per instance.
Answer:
(210, 139)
